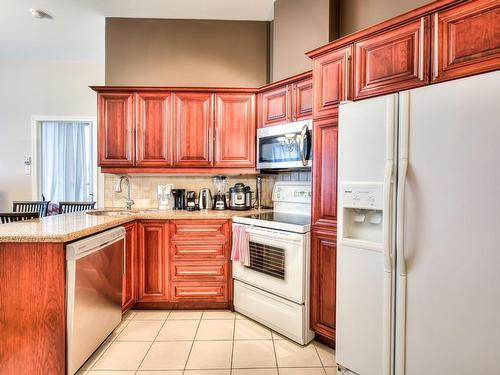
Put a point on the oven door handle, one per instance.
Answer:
(274, 234)
(303, 139)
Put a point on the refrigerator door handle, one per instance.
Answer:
(404, 121)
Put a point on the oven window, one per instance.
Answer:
(267, 259)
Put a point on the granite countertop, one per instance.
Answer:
(72, 226)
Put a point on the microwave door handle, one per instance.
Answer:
(303, 139)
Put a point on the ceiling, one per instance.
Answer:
(76, 31)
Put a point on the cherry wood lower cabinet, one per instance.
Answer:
(466, 40)
(153, 261)
(129, 286)
(184, 264)
(323, 283)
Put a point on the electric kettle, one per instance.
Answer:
(205, 199)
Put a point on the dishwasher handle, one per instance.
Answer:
(87, 246)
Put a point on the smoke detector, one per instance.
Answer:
(37, 13)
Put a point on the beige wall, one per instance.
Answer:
(298, 26)
(186, 52)
(37, 88)
(358, 14)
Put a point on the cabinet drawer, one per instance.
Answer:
(212, 271)
(196, 251)
(198, 291)
(192, 230)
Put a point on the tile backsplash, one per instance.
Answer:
(144, 187)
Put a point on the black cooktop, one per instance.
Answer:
(281, 217)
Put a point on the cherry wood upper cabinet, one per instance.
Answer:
(153, 261)
(302, 92)
(193, 129)
(466, 40)
(129, 285)
(154, 137)
(116, 124)
(332, 77)
(235, 130)
(324, 172)
(323, 282)
(274, 106)
(392, 61)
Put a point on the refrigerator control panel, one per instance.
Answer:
(363, 195)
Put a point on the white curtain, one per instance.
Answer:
(65, 173)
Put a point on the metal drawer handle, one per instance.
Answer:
(196, 251)
(196, 293)
(197, 273)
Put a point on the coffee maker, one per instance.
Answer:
(179, 202)
(220, 187)
(190, 201)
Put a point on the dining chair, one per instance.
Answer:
(31, 206)
(66, 207)
(10, 217)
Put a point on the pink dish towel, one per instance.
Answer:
(241, 248)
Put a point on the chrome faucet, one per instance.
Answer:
(118, 188)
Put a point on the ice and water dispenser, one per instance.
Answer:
(363, 212)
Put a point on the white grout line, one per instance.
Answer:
(232, 346)
(192, 343)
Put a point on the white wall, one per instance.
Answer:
(45, 88)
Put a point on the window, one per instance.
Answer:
(65, 161)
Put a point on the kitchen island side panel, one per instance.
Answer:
(32, 308)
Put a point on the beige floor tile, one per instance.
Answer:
(185, 315)
(207, 372)
(128, 315)
(140, 330)
(96, 355)
(218, 314)
(253, 354)
(167, 356)
(167, 372)
(302, 371)
(210, 355)
(215, 330)
(277, 336)
(255, 371)
(331, 370)
(151, 315)
(178, 330)
(110, 373)
(290, 354)
(248, 329)
(122, 356)
(326, 354)
(118, 330)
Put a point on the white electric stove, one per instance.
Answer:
(274, 288)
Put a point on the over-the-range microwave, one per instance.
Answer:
(287, 146)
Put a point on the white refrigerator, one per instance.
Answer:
(418, 268)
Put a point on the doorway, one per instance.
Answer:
(64, 159)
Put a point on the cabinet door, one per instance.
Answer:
(392, 61)
(193, 129)
(324, 173)
(323, 282)
(153, 261)
(466, 40)
(302, 100)
(129, 285)
(235, 130)
(332, 77)
(153, 130)
(115, 134)
(274, 106)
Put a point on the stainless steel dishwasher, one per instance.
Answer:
(94, 273)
